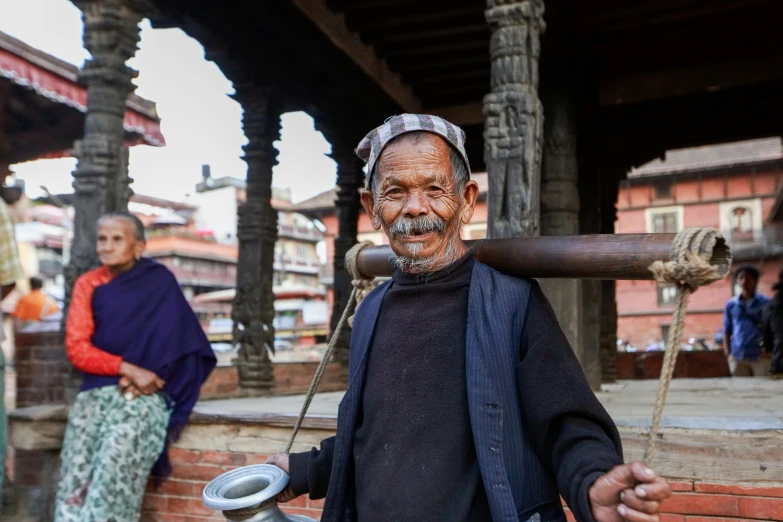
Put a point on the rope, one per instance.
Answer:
(688, 269)
(361, 287)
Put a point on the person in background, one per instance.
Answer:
(742, 327)
(36, 305)
(144, 358)
(773, 329)
(10, 272)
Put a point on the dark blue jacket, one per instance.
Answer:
(517, 482)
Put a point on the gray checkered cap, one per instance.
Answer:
(372, 145)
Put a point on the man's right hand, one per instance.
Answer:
(281, 461)
(145, 381)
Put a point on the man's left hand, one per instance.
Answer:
(631, 492)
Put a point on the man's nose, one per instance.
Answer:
(416, 205)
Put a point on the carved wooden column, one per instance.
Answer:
(590, 183)
(253, 309)
(611, 176)
(560, 215)
(349, 180)
(101, 181)
(514, 118)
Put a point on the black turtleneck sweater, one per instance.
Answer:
(413, 453)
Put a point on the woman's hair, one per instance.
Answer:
(138, 226)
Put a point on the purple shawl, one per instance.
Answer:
(142, 316)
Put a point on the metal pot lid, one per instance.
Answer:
(244, 487)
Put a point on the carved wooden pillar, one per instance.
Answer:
(514, 118)
(560, 215)
(590, 183)
(608, 345)
(101, 181)
(253, 309)
(349, 180)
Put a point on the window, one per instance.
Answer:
(665, 332)
(664, 223)
(664, 220)
(667, 294)
(741, 220)
(662, 190)
(301, 251)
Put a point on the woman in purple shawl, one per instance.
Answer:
(144, 357)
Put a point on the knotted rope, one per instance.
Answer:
(361, 287)
(692, 254)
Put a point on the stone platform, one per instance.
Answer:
(721, 445)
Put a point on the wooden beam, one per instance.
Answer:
(678, 82)
(459, 32)
(425, 16)
(334, 27)
(466, 114)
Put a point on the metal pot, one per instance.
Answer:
(247, 494)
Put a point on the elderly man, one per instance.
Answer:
(465, 401)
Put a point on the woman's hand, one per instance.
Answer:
(145, 381)
(127, 389)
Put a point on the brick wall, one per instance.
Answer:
(42, 369)
(712, 502)
(44, 374)
(647, 365)
(179, 498)
(640, 316)
(290, 379)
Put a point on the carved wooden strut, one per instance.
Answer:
(513, 131)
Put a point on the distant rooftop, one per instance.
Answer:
(712, 156)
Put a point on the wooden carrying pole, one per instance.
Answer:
(607, 256)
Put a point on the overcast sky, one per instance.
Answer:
(201, 124)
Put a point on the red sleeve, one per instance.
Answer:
(79, 329)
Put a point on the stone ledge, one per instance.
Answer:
(37, 427)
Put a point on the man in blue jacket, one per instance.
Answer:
(465, 402)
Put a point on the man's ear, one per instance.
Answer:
(469, 196)
(368, 202)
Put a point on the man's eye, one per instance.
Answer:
(394, 192)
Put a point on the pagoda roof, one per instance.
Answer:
(42, 106)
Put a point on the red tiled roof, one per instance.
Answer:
(711, 157)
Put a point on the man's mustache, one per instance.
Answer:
(419, 225)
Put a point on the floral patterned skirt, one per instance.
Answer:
(108, 452)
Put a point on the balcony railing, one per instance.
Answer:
(301, 233)
(756, 244)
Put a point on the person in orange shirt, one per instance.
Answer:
(36, 305)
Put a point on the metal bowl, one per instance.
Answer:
(248, 494)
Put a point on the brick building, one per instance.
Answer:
(301, 310)
(732, 187)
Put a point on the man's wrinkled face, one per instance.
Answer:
(416, 200)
